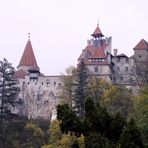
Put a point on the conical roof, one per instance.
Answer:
(28, 57)
(97, 32)
(142, 45)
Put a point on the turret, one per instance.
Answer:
(28, 64)
(28, 59)
(97, 33)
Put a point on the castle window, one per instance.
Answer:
(118, 59)
(139, 56)
(96, 69)
(126, 68)
(126, 60)
(121, 78)
(33, 75)
(131, 80)
(47, 82)
(60, 84)
(42, 83)
(118, 68)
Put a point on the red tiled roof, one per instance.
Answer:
(20, 73)
(142, 45)
(96, 52)
(80, 57)
(97, 32)
(28, 58)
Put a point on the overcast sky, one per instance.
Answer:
(60, 28)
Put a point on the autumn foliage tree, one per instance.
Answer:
(118, 99)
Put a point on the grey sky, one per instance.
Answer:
(59, 28)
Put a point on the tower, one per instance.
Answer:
(28, 64)
(39, 93)
(141, 61)
(97, 54)
(141, 51)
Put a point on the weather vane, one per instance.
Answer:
(98, 22)
(29, 36)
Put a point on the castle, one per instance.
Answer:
(39, 93)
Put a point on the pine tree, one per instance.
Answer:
(80, 90)
(70, 122)
(8, 93)
(131, 136)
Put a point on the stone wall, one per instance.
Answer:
(39, 97)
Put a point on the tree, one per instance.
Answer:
(141, 112)
(70, 122)
(96, 140)
(33, 136)
(67, 88)
(81, 89)
(8, 96)
(97, 88)
(99, 123)
(131, 136)
(55, 132)
(59, 140)
(114, 131)
(118, 100)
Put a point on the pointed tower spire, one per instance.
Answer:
(28, 59)
(97, 33)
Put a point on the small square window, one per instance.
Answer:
(96, 69)
(139, 56)
(126, 60)
(118, 68)
(121, 78)
(126, 68)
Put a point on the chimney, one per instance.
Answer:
(115, 52)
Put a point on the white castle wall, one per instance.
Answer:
(39, 96)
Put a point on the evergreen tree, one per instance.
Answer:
(96, 140)
(131, 136)
(80, 90)
(98, 120)
(114, 131)
(70, 122)
(8, 96)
